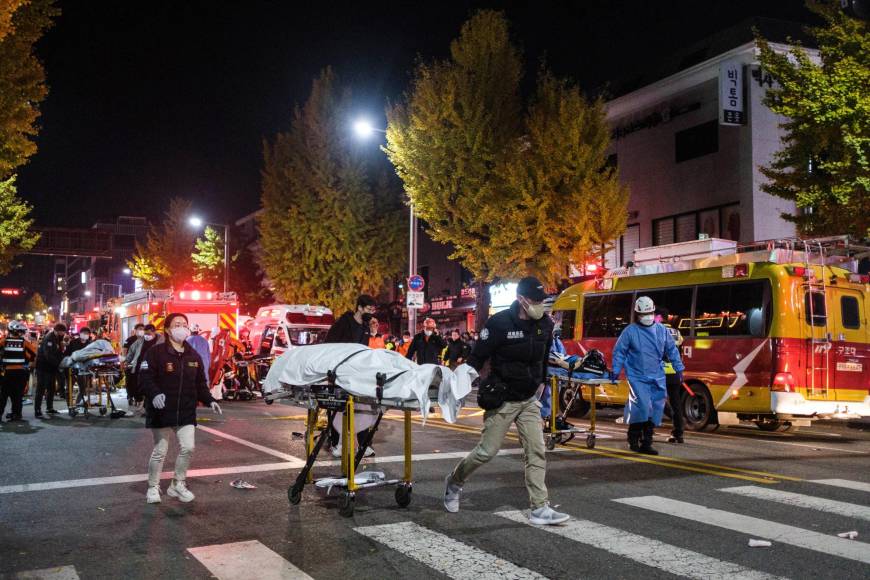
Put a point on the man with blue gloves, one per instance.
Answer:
(640, 350)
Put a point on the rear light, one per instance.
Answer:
(801, 272)
(859, 278)
(783, 382)
(735, 271)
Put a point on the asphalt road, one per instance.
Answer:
(72, 504)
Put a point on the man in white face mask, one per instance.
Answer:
(640, 350)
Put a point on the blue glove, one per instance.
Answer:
(613, 377)
(680, 377)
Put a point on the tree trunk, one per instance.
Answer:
(481, 304)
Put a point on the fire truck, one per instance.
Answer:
(206, 308)
(774, 333)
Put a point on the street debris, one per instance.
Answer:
(242, 484)
(848, 535)
(759, 543)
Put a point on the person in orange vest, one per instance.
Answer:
(223, 348)
(376, 339)
(17, 355)
(404, 344)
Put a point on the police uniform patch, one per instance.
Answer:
(192, 364)
(484, 334)
(170, 367)
(143, 366)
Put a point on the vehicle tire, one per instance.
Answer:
(73, 412)
(774, 425)
(403, 494)
(698, 410)
(346, 504)
(269, 401)
(294, 494)
(579, 409)
(590, 441)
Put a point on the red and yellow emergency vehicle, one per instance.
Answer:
(774, 332)
(279, 327)
(206, 308)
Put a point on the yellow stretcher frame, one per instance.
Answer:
(559, 437)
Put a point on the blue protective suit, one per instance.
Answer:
(200, 345)
(546, 401)
(639, 351)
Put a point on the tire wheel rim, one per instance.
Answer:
(696, 409)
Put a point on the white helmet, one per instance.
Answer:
(644, 305)
(17, 326)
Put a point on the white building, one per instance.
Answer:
(688, 171)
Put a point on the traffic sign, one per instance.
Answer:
(416, 283)
(416, 300)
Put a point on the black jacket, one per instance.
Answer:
(427, 349)
(50, 353)
(456, 349)
(347, 329)
(517, 350)
(178, 375)
(76, 344)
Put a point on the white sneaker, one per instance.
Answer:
(547, 516)
(153, 495)
(179, 490)
(336, 452)
(369, 452)
(451, 495)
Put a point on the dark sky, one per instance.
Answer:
(154, 99)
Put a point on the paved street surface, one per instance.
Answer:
(72, 505)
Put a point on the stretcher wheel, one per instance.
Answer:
(72, 412)
(346, 503)
(102, 410)
(269, 401)
(403, 494)
(590, 441)
(294, 494)
(551, 443)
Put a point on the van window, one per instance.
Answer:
(606, 315)
(814, 308)
(849, 311)
(675, 306)
(566, 320)
(739, 309)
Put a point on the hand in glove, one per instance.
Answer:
(216, 408)
(159, 401)
(614, 378)
(679, 377)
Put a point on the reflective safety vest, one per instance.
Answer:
(17, 352)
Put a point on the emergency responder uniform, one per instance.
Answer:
(640, 350)
(47, 369)
(517, 343)
(675, 391)
(17, 355)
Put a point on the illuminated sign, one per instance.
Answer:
(10, 292)
(502, 296)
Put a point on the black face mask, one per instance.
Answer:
(366, 318)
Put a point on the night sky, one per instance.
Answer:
(154, 99)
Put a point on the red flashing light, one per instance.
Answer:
(591, 268)
(783, 382)
(799, 271)
(741, 270)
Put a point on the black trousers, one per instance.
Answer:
(14, 382)
(675, 393)
(132, 382)
(46, 381)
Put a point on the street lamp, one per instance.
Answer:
(127, 271)
(88, 293)
(364, 129)
(197, 222)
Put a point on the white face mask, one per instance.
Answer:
(535, 311)
(646, 319)
(148, 337)
(179, 333)
(85, 337)
(427, 332)
(140, 333)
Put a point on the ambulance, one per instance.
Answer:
(279, 327)
(206, 308)
(774, 333)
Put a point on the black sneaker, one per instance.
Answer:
(562, 425)
(37, 414)
(676, 439)
(51, 412)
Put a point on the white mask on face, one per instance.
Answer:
(646, 319)
(535, 311)
(427, 332)
(148, 337)
(179, 333)
(140, 333)
(84, 336)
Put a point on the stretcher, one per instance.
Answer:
(90, 373)
(569, 376)
(396, 384)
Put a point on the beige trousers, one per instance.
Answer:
(185, 435)
(527, 416)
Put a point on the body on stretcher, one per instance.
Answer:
(567, 375)
(89, 376)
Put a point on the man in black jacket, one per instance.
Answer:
(353, 327)
(172, 379)
(48, 359)
(78, 343)
(427, 345)
(517, 342)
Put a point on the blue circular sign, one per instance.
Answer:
(416, 283)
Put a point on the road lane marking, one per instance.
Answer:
(649, 552)
(844, 483)
(821, 504)
(211, 472)
(274, 452)
(446, 555)
(243, 560)
(58, 573)
(673, 463)
(755, 527)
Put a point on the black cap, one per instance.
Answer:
(531, 288)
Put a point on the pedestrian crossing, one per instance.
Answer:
(448, 547)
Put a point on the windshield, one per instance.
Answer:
(303, 336)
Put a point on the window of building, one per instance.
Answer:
(696, 141)
(606, 315)
(849, 312)
(123, 242)
(675, 307)
(686, 228)
(738, 309)
(722, 221)
(629, 242)
(663, 231)
(814, 308)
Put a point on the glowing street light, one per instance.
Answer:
(197, 222)
(127, 271)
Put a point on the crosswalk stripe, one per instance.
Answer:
(822, 504)
(58, 573)
(757, 527)
(844, 483)
(243, 560)
(653, 553)
(446, 555)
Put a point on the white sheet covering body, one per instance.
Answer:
(310, 364)
(93, 351)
